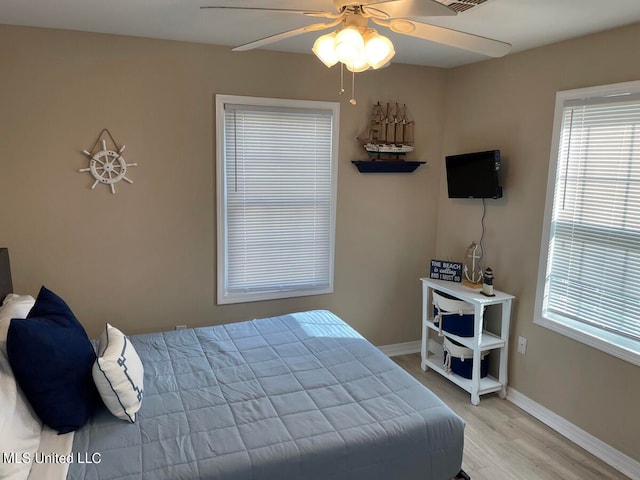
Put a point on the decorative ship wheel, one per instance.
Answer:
(107, 166)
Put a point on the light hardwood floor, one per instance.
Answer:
(502, 442)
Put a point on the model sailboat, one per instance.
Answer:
(389, 135)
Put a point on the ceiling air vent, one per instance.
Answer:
(462, 5)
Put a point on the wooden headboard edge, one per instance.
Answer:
(6, 285)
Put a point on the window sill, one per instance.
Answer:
(621, 347)
(228, 298)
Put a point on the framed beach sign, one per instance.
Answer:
(445, 270)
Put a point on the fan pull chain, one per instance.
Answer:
(353, 89)
(352, 101)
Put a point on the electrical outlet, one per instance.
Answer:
(522, 345)
(181, 327)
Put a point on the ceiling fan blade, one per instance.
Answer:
(288, 34)
(311, 13)
(446, 36)
(410, 8)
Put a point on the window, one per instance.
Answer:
(276, 197)
(589, 279)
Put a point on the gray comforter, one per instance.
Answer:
(301, 396)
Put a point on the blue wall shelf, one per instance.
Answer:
(386, 166)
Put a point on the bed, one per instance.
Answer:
(295, 396)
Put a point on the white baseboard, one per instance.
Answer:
(618, 460)
(400, 348)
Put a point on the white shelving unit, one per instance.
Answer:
(482, 340)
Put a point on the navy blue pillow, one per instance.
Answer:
(52, 357)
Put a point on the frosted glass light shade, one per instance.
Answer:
(357, 51)
(324, 48)
(378, 49)
(360, 65)
(349, 46)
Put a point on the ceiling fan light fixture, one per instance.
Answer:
(360, 65)
(324, 49)
(349, 46)
(378, 49)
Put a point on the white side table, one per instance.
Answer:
(482, 340)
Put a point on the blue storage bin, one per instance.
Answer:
(456, 315)
(461, 362)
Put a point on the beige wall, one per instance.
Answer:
(508, 104)
(144, 259)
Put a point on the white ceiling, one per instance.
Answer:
(522, 23)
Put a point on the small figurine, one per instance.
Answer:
(487, 283)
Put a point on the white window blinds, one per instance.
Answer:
(278, 203)
(593, 263)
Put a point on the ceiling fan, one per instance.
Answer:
(358, 47)
(397, 15)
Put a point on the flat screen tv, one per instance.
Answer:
(474, 175)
